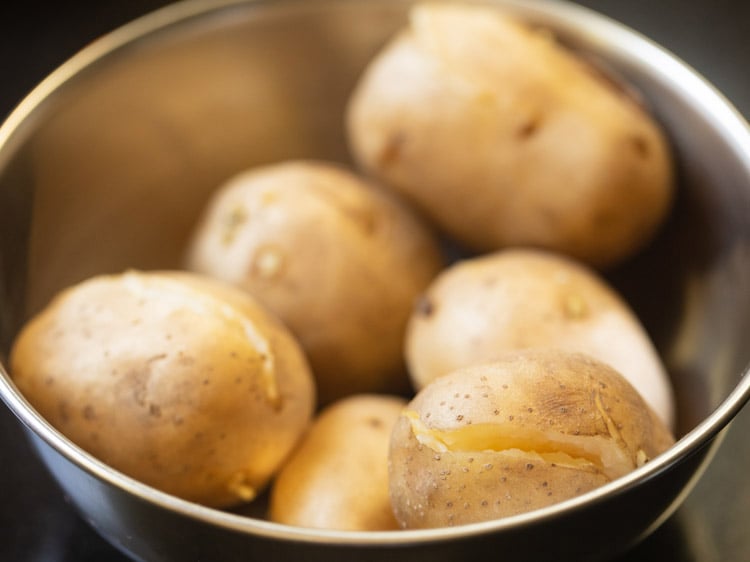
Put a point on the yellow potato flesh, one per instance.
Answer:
(529, 429)
(580, 452)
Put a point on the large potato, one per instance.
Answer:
(338, 477)
(503, 137)
(518, 298)
(183, 383)
(338, 261)
(528, 430)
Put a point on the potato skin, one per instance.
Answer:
(522, 298)
(185, 384)
(504, 138)
(531, 401)
(337, 260)
(338, 476)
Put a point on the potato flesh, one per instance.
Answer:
(527, 430)
(581, 452)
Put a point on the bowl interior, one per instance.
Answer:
(109, 163)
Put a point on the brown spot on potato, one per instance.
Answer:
(392, 149)
(640, 145)
(529, 128)
(424, 307)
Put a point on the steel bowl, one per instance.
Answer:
(107, 164)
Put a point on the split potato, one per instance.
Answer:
(530, 429)
(183, 383)
(337, 260)
(338, 477)
(503, 137)
(521, 298)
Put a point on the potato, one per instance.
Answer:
(521, 298)
(530, 429)
(183, 383)
(503, 138)
(338, 261)
(338, 477)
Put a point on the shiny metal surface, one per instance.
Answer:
(106, 165)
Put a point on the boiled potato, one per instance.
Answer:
(503, 137)
(338, 477)
(185, 384)
(521, 298)
(530, 429)
(338, 261)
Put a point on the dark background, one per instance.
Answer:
(713, 36)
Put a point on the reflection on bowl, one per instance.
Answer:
(139, 128)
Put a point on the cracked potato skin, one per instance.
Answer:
(502, 137)
(183, 383)
(563, 396)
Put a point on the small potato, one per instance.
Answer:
(528, 430)
(338, 477)
(513, 299)
(504, 138)
(183, 383)
(338, 261)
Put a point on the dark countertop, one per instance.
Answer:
(713, 36)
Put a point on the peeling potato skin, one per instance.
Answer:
(336, 259)
(338, 477)
(155, 375)
(521, 298)
(502, 137)
(533, 390)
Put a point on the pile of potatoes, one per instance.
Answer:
(323, 345)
